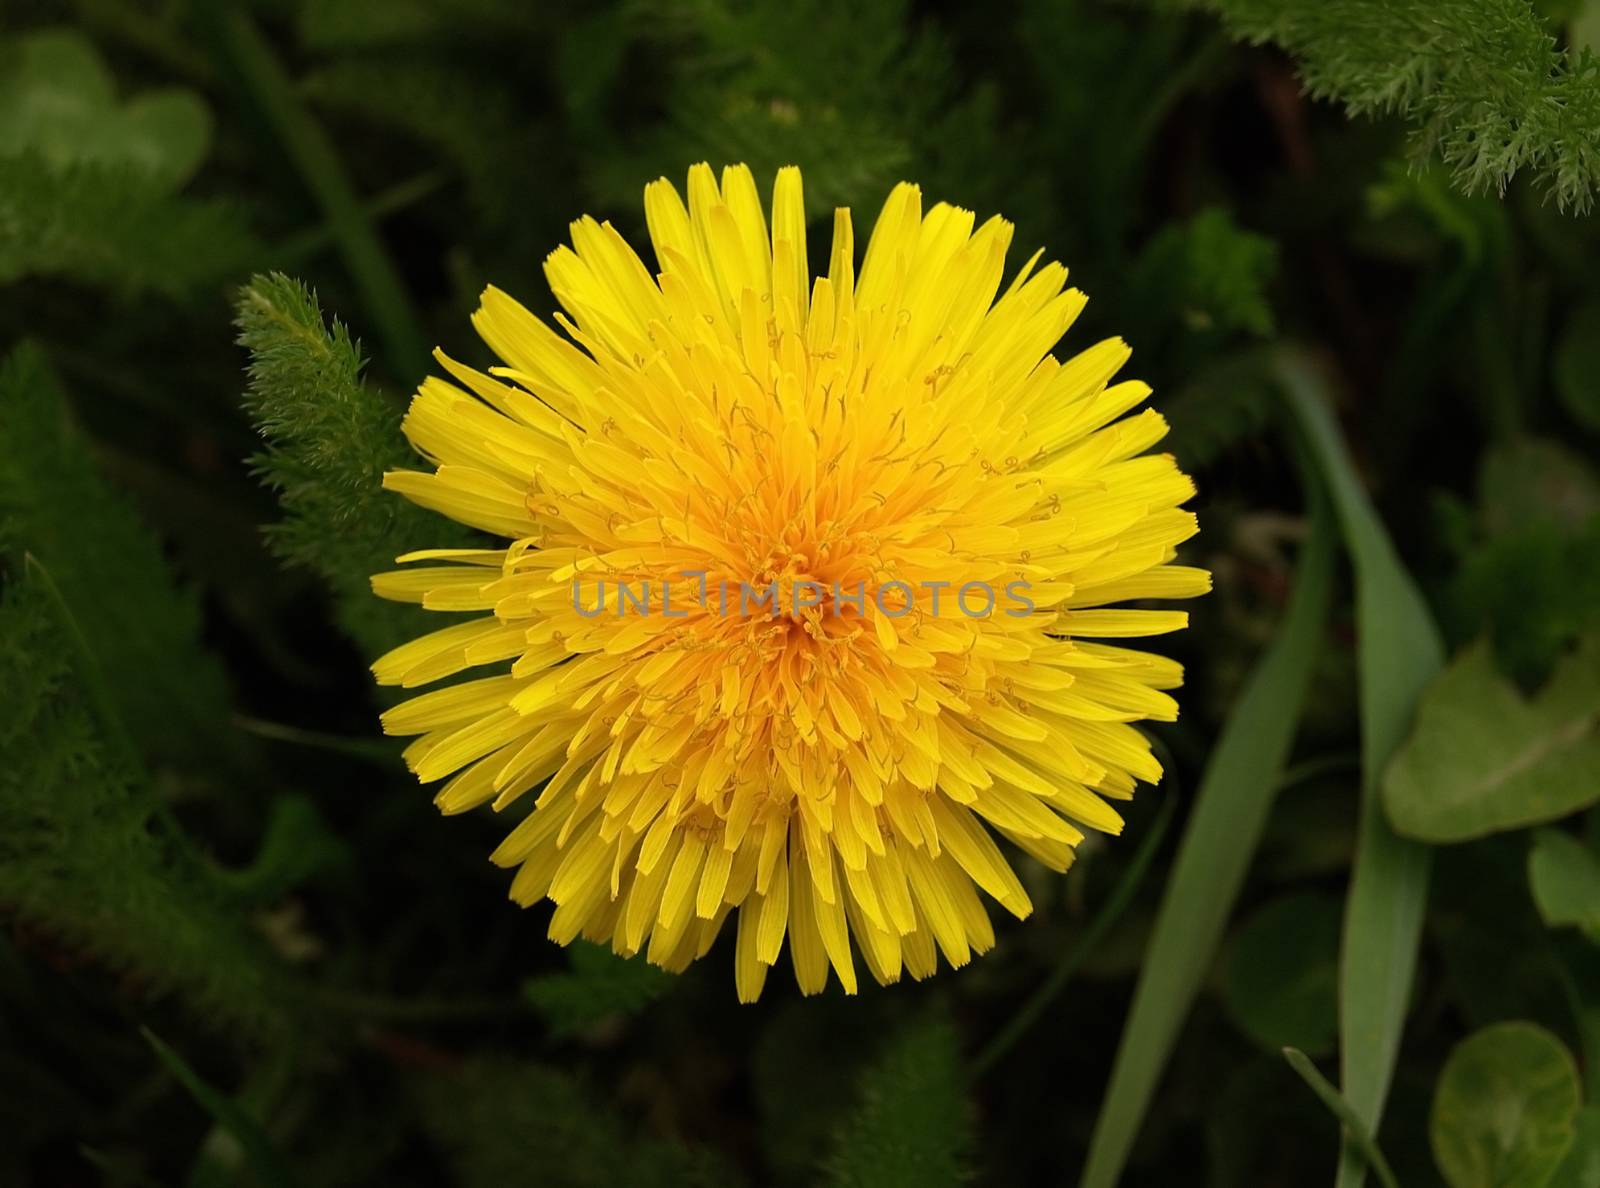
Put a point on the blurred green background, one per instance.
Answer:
(1350, 243)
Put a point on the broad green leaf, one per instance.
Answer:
(1230, 811)
(1577, 365)
(1565, 877)
(58, 99)
(1581, 1167)
(910, 1127)
(266, 1163)
(1280, 980)
(1504, 1109)
(1399, 652)
(53, 90)
(1485, 759)
(600, 986)
(1354, 1129)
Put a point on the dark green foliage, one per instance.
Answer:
(88, 856)
(143, 629)
(455, 116)
(1208, 275)
(910, 1125)
(1530, 566)
(1217, 408)
(87, 183)
(735, 95)
(111, 225)
(600, 986)
(330, 438)
(203, 831)
(261, 1156)
(297, 846)
(1483, 81)
(500, 1121)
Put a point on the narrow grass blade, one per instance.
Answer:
(1399, 651)
(265, 1162)
(1354, 1129)
(1224, 828)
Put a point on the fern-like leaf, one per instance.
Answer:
(1481, 81)
(330, 438)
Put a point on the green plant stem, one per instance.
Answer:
(1354, 1130)
(314, 156)
(377, 750)
(1117, 903)
(297, 249)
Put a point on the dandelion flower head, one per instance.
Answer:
(881, 534)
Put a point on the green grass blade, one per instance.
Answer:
(1224, 828)
(1399, 651)
(260, 1153)
(1354, 1130)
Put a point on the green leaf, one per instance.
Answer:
(1505, 1108)
(58, 99)
(1354, 1129)
(1581, 1167)
(600, 986)
(910, 1127)
(1399, 652)
(1484, 759)
(1224, 827)
(1576, 365)
(261, 1154)
(1280, 980)
(1564, 875)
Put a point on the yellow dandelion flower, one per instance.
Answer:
(806, 586)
